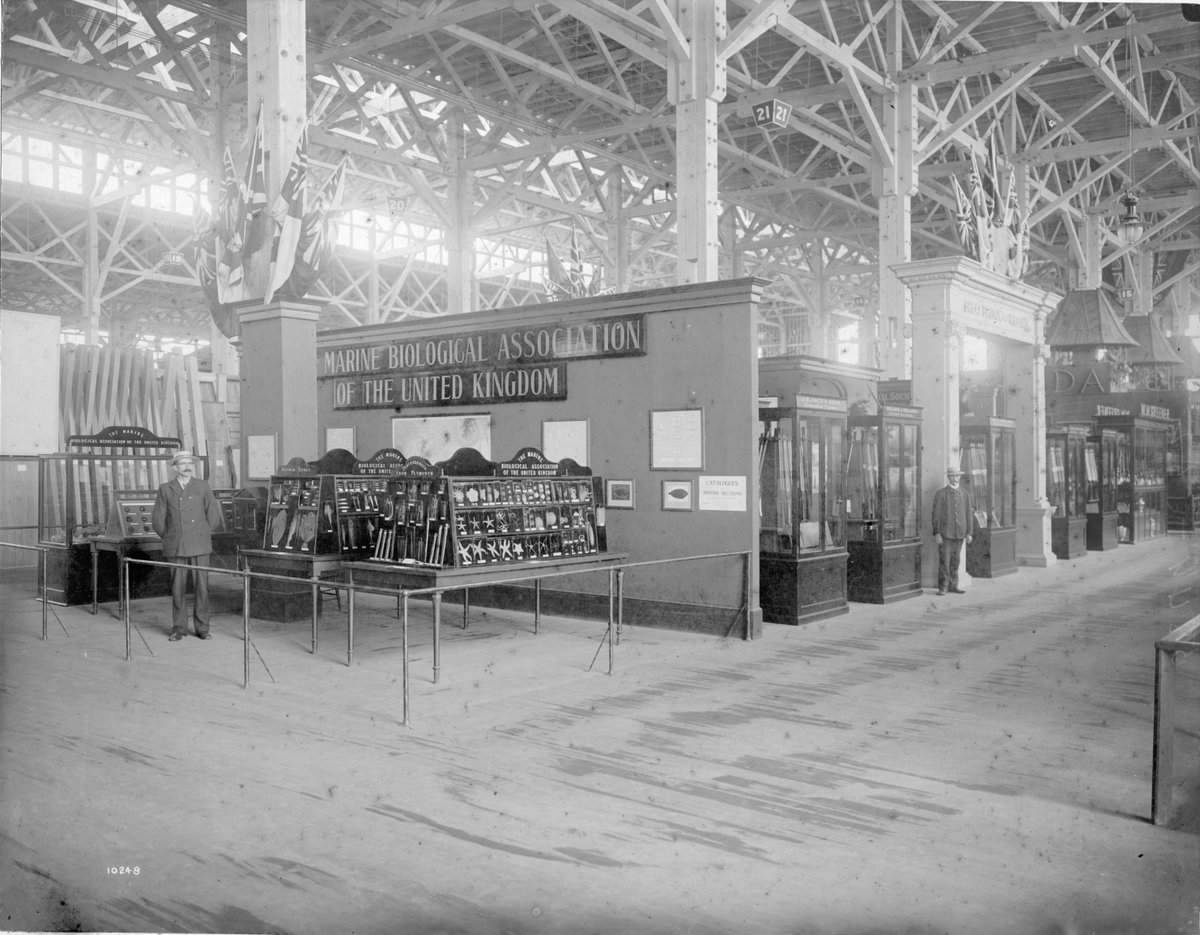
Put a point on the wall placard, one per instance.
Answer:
(565, 439)
(716, 492)
(677, 439)
(260, 456)
(340, 438)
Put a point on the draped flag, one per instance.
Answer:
(318, 235)
(567, 282)
(965, 221)
(288, 213)
(254, 193)
(204, 245)
(230, 212)
(557, 281)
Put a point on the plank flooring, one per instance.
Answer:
(960, 764)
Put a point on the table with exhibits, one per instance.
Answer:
(411, 577)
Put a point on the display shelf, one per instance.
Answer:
(301, 515)
(989, 473)
(1067, 489)
(802, 539)
(1140, 475)
(882, 489)
(244, 513)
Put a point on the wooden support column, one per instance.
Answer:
(898, 183)
(617, 275)
(276, 81)
(696, 77)
(91, 282)
(460, 280)
(1143, 265)
(279, 392)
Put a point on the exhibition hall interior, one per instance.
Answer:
(600, 466)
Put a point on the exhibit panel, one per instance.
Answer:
(657, 389)
(802, 536)
(1067, 489)
(882, 490)
(988, 462)
(1141, 475)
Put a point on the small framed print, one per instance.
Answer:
(677, 495)
(619, 494)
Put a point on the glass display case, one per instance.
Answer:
(77, 492)
(1141, 475)
(882, 490)
(1101, 496)
(988, 462)
(1067, 472)
(802, 537)
(244, 512)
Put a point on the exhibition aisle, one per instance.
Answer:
(974, 763)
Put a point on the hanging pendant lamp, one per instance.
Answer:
(1086, 321)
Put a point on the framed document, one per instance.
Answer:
(677, 439)
(619, 494)
(340, 438)
(260, 456)
(677, 495)
(565, 439)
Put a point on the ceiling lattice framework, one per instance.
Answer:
(558, 113)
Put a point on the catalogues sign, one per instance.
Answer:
(497, 366)
(726, 493)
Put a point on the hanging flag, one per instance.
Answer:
(991, 184)
(204, 246)
(254, 193)
(575, 273)
(288, 213)
(965, 221)
(318, 235)
(557, 282)
(230, 211)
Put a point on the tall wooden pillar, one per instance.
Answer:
(279, 392)
(898, 183)
(460, 266)
(697, 84)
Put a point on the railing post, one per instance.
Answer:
(620, 601)
(404, 661)
(350, 621)
(45, 594)
(125, 614)
(1164, 735)
(246, 629)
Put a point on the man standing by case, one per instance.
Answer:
(185, 516)
(952, 519)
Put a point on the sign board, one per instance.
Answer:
(772, 113)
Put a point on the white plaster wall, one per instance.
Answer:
(28, 383)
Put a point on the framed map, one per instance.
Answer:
(436, 438)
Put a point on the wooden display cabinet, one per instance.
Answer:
(518, 511)
(802, 540)
(1067, 489)
(1103, 445)
(244, 512)
(77, 492)
(1141, 475)
(990, 475)
(882, 489)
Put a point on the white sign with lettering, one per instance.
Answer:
(722, 492)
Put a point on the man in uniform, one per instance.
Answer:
(952, 519)
(185, 516)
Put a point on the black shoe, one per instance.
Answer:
(957, 591)
(204, 636)
(175, 635)
(941, 591)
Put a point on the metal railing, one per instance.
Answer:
(615, 571)
(44, 566)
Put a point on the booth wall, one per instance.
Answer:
(701, 347)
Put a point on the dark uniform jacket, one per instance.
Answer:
(186, 517)
(952, 513)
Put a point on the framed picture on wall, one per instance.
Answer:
(340, 438)
(677, 439)
(436, 438)
(619, 494)
(566, 438)
(677, 495)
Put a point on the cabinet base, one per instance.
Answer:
(795, 591)
(1068, 536)
(879, 574)
(992, 553)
